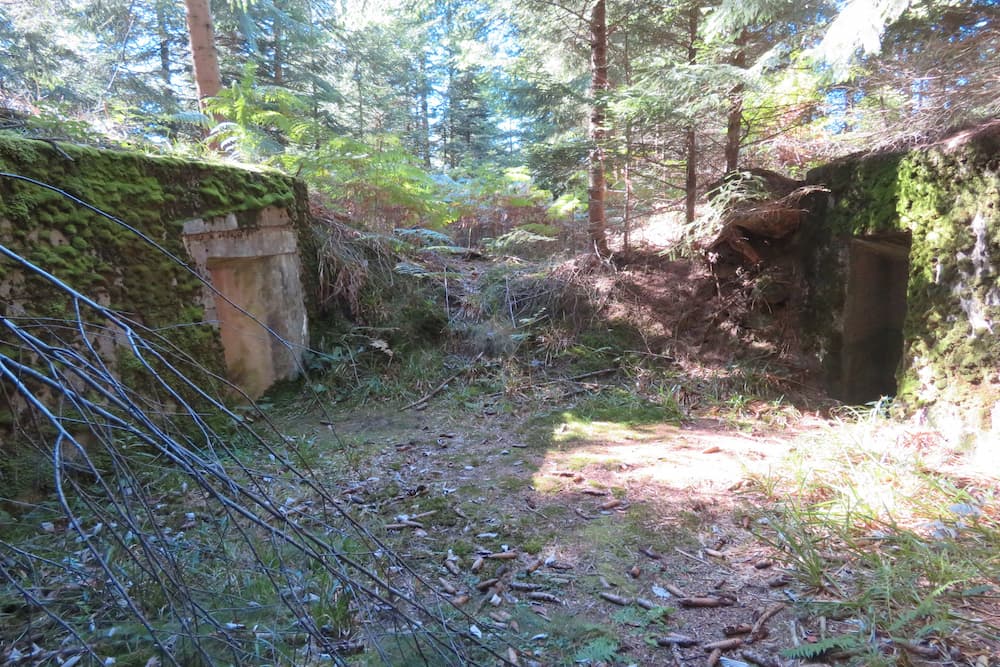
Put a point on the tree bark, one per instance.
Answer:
(164, 36)
(207, 79)
(691, 137)
(359, 131)
(596, 215)
(734, 120)
(627, 209)
(425, 123)
(690, 175)
(734, 129)
(279, 56)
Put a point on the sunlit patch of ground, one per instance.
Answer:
(592, 497)
(704, 455)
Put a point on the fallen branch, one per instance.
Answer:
(674, 639)
(762, 660)
(704, 602)
(724, 644)
(701, 560)
(616, 599)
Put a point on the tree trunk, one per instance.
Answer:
(690, 175)
(359, 131)
(691, 137)
(734, 133)
(627, 209)
(425, 123)
(596, 214)
(206, 62)
(164, 36)
(279, 57)
(734, 121)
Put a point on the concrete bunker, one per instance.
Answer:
(255, 272)
(874, 313)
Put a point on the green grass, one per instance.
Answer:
(876, 534)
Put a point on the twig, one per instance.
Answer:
(724, 644)
(534, 511)
(702, 602)
(761, 659)
(575, 378)
(701, 560)
(55, 146)
(434, 392)
(767, 615)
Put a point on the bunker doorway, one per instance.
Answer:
(874, 312)
(255, 357)
(257, 269)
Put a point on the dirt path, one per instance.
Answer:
(589, 523)
(614, 525)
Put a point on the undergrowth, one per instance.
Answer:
(887, 539)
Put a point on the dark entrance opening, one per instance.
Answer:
(873, 316)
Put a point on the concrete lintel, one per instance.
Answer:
(241, 243)
(218, 224)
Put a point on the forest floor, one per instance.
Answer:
(582, 463)
(590, 533)
(673, 508)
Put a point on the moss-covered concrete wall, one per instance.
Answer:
(156, 195)
(946, 198)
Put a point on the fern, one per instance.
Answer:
(445, 249)
(423, 236)
(514, 238)
(838, 643)
(601, 649)
(408, 269)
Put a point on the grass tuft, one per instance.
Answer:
(891, 540)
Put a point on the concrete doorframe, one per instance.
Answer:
(257, 269)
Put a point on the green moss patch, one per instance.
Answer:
(947, 196)
(107, 261)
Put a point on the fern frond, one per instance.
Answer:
(423, 236)
(838, 643)
(410, 269)
(601, 649)
(445, 249)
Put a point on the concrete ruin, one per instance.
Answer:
(253, 294)
(901, 259)
(238, 229)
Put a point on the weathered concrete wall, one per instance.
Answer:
(255, 272)
(237, 228)
(944, 201)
